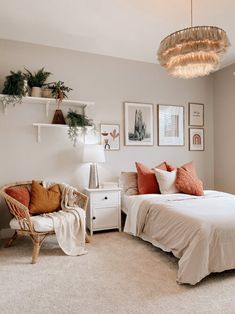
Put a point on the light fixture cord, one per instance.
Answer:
(191, 17)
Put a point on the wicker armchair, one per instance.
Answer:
(25, 221)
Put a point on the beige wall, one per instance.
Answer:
(108, 81)
(224, 121)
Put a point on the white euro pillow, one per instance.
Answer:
(166, 181)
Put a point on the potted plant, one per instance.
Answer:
(36, 80)
(14, 88)
(59, 92)
(76, 122)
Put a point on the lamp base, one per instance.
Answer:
(94, 180)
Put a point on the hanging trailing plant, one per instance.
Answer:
(13, 89)
(77, 122)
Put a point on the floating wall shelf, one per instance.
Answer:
(49, 125)
(49, 101)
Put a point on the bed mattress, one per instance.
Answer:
(200, 231)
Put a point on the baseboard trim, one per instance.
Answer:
(6, 233)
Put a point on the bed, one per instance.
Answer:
(199, 231)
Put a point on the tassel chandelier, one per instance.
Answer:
(194, 51)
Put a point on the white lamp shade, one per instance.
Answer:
(93, 153)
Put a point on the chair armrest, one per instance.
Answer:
(81, 200)
(17, 209)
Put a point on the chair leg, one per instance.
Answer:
(36, 249)
(12, 239)
(87, 238)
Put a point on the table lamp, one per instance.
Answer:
(93, 154)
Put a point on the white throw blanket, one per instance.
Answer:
(69, 223)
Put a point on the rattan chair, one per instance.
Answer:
(21, 213)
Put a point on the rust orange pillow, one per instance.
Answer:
(190, 166)
(19, 193)
(186, 182)
(44, 200)
(147, 182)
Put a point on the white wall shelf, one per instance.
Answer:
(39, 126)
(49, 101)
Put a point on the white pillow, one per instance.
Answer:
(166, 181)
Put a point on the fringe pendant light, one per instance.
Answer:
(194, 51)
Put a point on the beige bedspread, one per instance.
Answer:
(200, 231)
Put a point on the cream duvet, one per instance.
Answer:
(200, 231)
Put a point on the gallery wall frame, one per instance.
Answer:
(171, 125)
(138, 124)
(110, 136)
(196, 139)
(196, 114)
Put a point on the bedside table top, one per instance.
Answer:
(102, 190)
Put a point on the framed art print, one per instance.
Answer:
(170, 125)
(196, 139)
(196, 114)
(110, 136)
(138, 124)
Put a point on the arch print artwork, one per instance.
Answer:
(196, 139)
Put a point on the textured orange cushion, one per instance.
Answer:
(186, 182)
(147, 182)
(19, 193)
(190, 166)
(44, 200)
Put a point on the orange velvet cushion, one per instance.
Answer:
(147, 182)
(187, 182)
(44, 200)
(19, 193)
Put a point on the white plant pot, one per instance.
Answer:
(36, 92)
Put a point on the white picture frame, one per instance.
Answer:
(170, 125)
(110, 136)
(196, 139)
(196, 114)
(138, 118)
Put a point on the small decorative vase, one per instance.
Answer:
(36, 92)
(58, 117)
(25, 89)
(46, 93)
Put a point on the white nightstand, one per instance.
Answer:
(104, 209)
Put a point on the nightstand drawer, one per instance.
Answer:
(105, 198)
(104, 218)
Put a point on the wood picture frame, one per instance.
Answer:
(195, 114)
(138, 124)
(196, 139)
(110, 136)
(171, 125)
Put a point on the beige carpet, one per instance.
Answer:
(120, 274)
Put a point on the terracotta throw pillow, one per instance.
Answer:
(147, 182)
(190, 166)
(19, 193)
(44, 200)
(186, 182)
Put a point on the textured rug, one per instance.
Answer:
(120, 274)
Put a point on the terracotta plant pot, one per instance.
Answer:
(36, 92)
(58, 117)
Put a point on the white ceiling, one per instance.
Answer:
(129, 29)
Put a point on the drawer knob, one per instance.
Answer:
(93, 217)
(106, 198)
